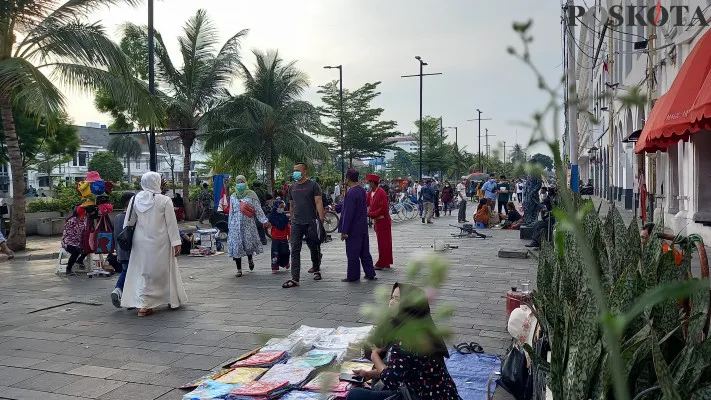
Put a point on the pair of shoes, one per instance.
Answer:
(430, 222)
(350, 281)
(116, 297)
(371, 278)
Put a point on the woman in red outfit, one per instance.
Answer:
(379, 212)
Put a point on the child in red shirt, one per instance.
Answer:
(280, 232)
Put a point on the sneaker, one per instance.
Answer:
(116, 297)
(71, 273)
(423, 220)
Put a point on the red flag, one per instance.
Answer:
(605, 68)
(224, 201)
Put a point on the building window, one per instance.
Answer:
(44, 181)
(80, 159)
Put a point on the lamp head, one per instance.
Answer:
(418, 58)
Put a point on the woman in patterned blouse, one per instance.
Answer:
(72, 239)
(409, 359)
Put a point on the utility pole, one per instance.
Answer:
(504, 153)
(340, 94)
(611, 109)
(572, 106)
(479, 119)
(153, 157)
(653, 159)
(456, 145)
(486, 136)
(420, 75)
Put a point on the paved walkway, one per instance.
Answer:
(60, 338)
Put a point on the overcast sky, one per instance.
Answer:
(378, 40)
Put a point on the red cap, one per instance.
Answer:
(372, 178)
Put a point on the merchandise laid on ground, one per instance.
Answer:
(309, 363)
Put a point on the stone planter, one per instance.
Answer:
(32, 220)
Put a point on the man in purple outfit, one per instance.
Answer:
(354, 230)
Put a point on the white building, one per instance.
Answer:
(406, 143)
(94, 138)
(675, 178)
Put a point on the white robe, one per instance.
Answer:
(153, 278)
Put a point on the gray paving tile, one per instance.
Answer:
(20, 362)
(26, 394)
(90, 387)
(200, 362)
(10, 375)
(93, 371)
(136, 391)
(47, 382)
(133, 366)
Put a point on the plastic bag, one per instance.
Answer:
(210, 390)
(515, 374)
(309, 335)
(292, 345)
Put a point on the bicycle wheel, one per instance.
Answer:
(330, 222)
(398, 212)
(412, 211)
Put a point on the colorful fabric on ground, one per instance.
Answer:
(259, 389)
(349, 366)
(211, 376)
(328, 382)
(210, 390)
(287, 344)
(296, 375)
(313, 360)
(310, 335)
(263, 359)
(471, 373)
(242, 375)
(299, 395)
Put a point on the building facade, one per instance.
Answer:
(623, 63)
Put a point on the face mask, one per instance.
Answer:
(280, 211)
(296, 175)
(241, 186)
(367, 187)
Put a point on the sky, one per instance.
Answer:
(376, 40)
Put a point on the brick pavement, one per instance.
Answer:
(60, 338)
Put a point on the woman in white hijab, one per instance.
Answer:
(153, 278)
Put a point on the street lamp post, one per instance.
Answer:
(153, 158)
(420, 75)
(479, 119)
(340, 82)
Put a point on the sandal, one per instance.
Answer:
(239, 273)
(144, 312)
(469, 348)
(275, 271)
(290, 284)
(317, 276)
(310, 271)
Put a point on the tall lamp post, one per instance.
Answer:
(420, 75)
(153, 158)
(479, 119)
(340, 92)
(456, 143)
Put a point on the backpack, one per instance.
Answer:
(101, 240)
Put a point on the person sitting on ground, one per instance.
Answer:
(512, 217)
(545, 225)
(417, 362)
(4, 248)
(482, 212)
(72, 239)
(186, 242)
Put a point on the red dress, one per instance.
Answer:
(379, 212)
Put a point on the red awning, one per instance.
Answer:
(675, 116)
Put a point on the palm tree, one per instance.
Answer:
(205, 74)
(39, 37)
(269, 120)
(517, 154)
(126, 147)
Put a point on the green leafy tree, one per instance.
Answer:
(268, 121)
(517, 155)
(364, 133)
(193, 88)
(436, 156)
(107, 165)
(402, 165)
(43, 42)
(126, 147)
(543, 160)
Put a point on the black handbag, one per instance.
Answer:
(316, 233)
(125, 238)
(515, 374)
(404, 392)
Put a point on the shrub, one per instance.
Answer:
(45, 205)
(107, 165)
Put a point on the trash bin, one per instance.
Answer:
(57, 226)
(44, 226)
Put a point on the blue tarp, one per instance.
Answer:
(471, 373)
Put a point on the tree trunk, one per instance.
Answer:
(17, 239)
(270, 170)
(187, 146)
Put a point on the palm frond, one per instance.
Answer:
(125, 146)
(31, 90)
(73, 42)
(197, 46)
(37, 14)
(131, 92)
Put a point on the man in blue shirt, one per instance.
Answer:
(490, 188)
(427, 196)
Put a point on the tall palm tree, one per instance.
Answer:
(517, 154)
(269, 120)
(126, 147)
(39, 37)
(205, 74)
